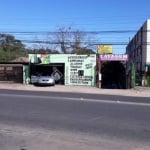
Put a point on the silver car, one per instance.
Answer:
(42, 80)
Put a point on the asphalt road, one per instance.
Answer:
(115, 118)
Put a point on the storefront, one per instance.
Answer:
(111, 71)
(73, 69)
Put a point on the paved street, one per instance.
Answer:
(58, 120)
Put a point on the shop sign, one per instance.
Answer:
(113, 57)
(104, 49)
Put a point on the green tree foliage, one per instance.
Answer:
(65, 40)
(10, 48)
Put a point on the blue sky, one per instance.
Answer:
(85, 15)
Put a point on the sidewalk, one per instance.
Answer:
(137, 91)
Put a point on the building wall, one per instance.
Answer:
(144, 45)
(148, 41)
(79, 69)
(138, 49)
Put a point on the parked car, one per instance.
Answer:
(42, 80)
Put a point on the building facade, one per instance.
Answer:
(138, 51)
(73, 69)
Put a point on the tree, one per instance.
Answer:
(63, 37)
(11, 48)
(72, 41)
(82, 51)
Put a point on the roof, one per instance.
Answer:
(21, 60)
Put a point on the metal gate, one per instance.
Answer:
(11, 73)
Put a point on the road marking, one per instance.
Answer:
(78, 99)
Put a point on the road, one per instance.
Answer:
(39, 120)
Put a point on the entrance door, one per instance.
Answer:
(54, 69)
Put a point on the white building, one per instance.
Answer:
(138, 51)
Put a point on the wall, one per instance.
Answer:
(144, 45)
(148, 41)
(26, 78)
(140, 42)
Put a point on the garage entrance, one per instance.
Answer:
(111, 71)
(53, 69)
(113, 75)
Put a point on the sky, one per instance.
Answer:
(44, 16)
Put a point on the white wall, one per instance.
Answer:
(148, 41)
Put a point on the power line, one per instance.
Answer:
(56, 32)
(88, 43)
